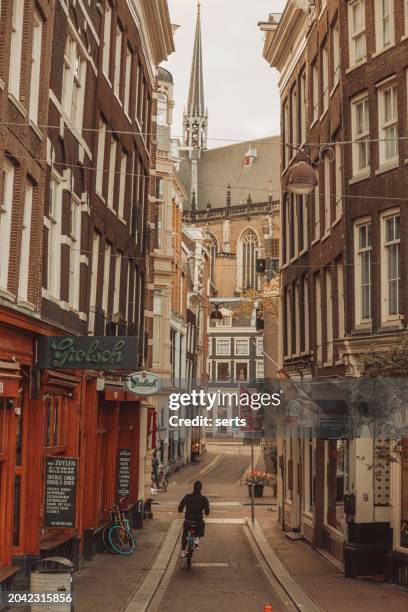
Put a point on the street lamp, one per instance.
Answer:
(301, 179)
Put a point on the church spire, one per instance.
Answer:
(195, 116)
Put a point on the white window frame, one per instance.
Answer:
(385, 125)
(259, 347)
(112, 171)
(386, 317)
(336, 54)
(306, 314)
(327, 193)
(288, 323)
(16, 42)
(294, 116)
(100, 160)
(315, 92)
(54, 237)
(246, 350)
(303, 107)
(238, 362)
(297, 320)
(162, 106)
(107, 35)
(339, 180)
(219, 351)
(36, 54)
(117, 283)
(260, 365)
(122, 184)
(356, 35)
(94, 281)
(6, 207)
(340, 300)
(117, 76)
(219, 362)
(75, 254)
(318, 314)
(381, 20)
(406, 16)
(360, 134)
(106, 276)
(329, 316)
(325, 77)
(317, 225)
(24, 276)
(286, 133)
(359, 253)
(128, 71)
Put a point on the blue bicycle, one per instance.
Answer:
(118, 536)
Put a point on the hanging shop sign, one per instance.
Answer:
(60, 492)
(144, 383)
(123, 482)
(89, 352)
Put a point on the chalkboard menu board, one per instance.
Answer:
(60, 491)
(123, 488)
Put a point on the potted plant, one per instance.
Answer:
(257, 481)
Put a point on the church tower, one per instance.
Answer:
(195, 119)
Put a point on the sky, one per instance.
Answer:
(240, 87)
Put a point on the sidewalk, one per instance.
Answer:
(108, 581)
(326, 584)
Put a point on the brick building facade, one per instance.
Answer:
(344, 99)
(77, 132)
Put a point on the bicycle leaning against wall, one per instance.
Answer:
(118, 535)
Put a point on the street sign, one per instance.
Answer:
(60, 492)
(88, 352)
(144, 383)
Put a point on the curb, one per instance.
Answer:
(140, 600)
(299, 597)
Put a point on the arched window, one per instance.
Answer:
(213, 254)
(162, 109)
(248, 246)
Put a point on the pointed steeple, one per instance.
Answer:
(195, 115)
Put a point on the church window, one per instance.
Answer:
(162, 109)
(248, 253)
(213, 255)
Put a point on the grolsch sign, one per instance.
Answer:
(89, 352)
(143, 383)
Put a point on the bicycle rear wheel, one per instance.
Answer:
(121, 540)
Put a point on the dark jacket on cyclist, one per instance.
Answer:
(195, 505)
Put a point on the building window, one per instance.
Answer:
(112, 171)
(363, 245)
(340, 299)
(100, 156)
(336, 452)
(403, 540)
(338, 178)
(17, 21)
(391, 265)
(336, 54)
(329, 317)
(226, 320)
(259, 347)
(357, 32)
(223, 371)
(128, 70)
(248, 250)
(73, 83)
(117, 285)
(388, 118)
(294, 117)
(303, 221)
(75, 254)
(360, 133)
(35, 67)
(316, 213)
(406, 16)
(118, 61)
(162, 109)
(209, 347)
(327, 193)
(107, 33)
(55, 407)
(303, 107)
(305, 314)
(213, 257)
(159, 188)
(241, 346)
(384, 23)
(325, 77)
(5, 221)
(297, 320)
(122, 185)
(285, 134)
(315, 92)
(260, 372)
(54, 238)
(318, 315)
(106, 276)
(288, 326)
(94, 281)
(25, 243)
(241, 371)
(223, 346)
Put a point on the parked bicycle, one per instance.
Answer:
(162, 479)
(118, 535)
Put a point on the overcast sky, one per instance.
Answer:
(240, 88)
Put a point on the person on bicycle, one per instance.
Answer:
(195, 504)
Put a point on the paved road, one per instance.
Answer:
(239, 584)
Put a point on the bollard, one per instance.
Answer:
(268, 608)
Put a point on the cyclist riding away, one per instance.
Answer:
(195, 504)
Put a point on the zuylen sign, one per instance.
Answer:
(89, 352)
